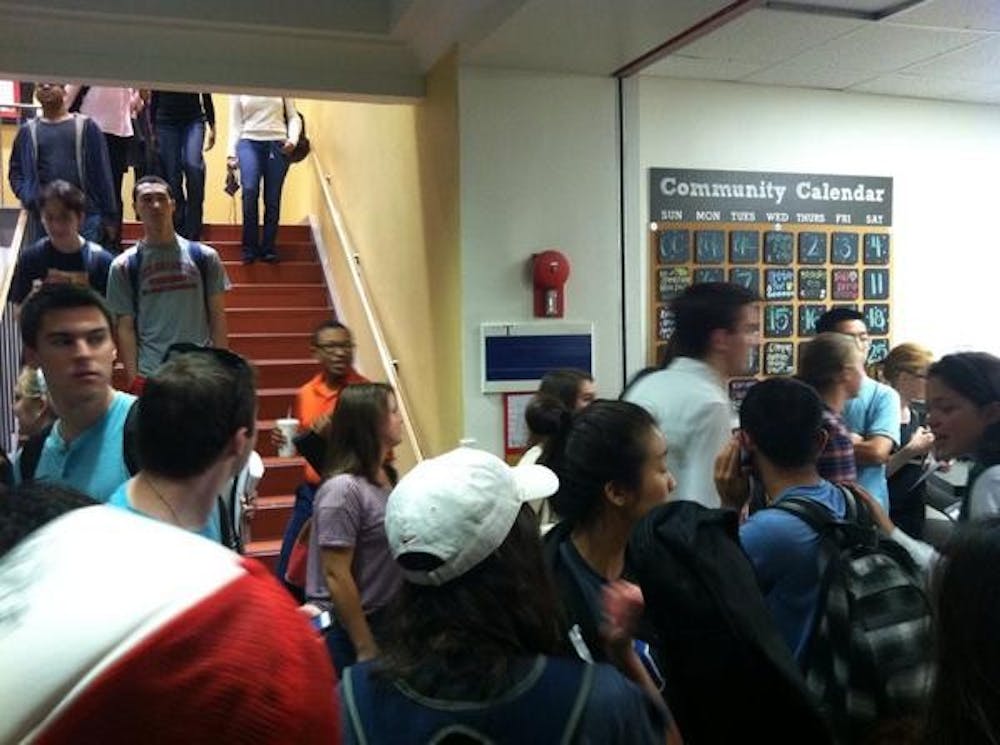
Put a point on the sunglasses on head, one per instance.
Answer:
(224, 356)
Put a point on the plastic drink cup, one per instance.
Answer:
(289, 427)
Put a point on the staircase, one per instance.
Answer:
(271, 311)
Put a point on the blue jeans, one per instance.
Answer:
(261, 160)
(184, 169)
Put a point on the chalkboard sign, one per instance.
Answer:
(709, 274)
(778, 248)
(665, 323)
(845, 248)
(809, 316)
(876, 248)
(744, 247)
(753, 360)
(845, 284)
(738, 388)
(877, 319)
(675, 247)
(710, 246)
(779, 358)
(673, 281)
(878, 351)
(812, 248)
(779, 284)
(876, 284)
(779, 321)
(812, 284)
(745, 276)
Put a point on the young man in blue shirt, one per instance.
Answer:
(66, 330)
(781, 435)
(872, 416)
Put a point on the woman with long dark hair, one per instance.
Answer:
(611, 462)
(469, 654)
(350, 571)
(963, 413)
(965, 700)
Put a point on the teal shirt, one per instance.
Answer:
(94, 462)
(211, 531)
(875, 411)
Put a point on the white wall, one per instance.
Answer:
(538, 170)
(944, 159)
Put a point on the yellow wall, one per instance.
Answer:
(7, 134)
(394, 172)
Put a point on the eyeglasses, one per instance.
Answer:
(335, 346)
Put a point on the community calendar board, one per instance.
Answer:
(803, 242)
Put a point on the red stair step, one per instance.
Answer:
(271, 295)
(266, 552)
(281, 476)
(286, 272)
(288, 250)
(271, 517)
(270, 346)
(274, 403)
(276, 320)
(286, 373)
(133, 231)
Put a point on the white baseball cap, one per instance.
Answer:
(459, 507)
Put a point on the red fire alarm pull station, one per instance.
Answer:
(550, 272)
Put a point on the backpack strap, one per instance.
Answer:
(133, 263)
(79, 121)
(200, 258)
(130, 432)
(31, 453)
(33, 131)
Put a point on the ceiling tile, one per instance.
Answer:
(769, 36)
(981, 15)
(915, 86)
(800, 76)
(880, 47)
(683, 66)
(979, 62)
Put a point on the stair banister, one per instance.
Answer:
(357, 280)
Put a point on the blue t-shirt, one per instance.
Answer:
(94, 462)
(875, 411)
(784, 552)
(120, 499)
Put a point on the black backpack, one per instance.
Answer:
(730, 677)
(869, 656)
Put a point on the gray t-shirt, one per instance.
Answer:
(349, 511)
(171, 298)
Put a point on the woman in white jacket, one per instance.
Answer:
(263, 131)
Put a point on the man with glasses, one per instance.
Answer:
(872, 417)
(333, 348)
(195, 430)
(71, 147)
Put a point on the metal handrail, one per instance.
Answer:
(9, 266)
(357, 279)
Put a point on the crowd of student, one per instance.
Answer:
(450, 612)
(88, 137)
(658, 568)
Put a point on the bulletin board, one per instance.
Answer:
(804, 243)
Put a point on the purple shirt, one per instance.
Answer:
(836, 463)
(349, 511)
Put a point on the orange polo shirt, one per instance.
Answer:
(316, 398)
